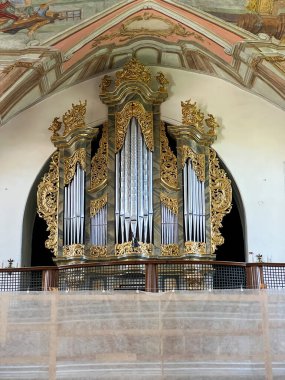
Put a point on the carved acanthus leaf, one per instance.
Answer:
(99, 163)
(47, 202)
(197, 159)
(97, 204)
(145, 119)
(169, 250)
(70, 164)
(195, 247)
(168, 161)
(170, 203)
(221, 199)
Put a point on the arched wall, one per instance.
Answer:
(250, 142)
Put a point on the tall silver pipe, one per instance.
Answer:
(117, 196)
(185, 198)
(190, 198)
(127, 183)
(140, 183)
(150, 204)
(121, 190)
(145, 191)
(134, 175)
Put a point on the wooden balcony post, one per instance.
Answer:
(50, 279)
(151, 277)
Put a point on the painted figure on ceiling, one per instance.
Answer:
(27, 17)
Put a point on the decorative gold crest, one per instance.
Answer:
(168, 161)
(97, 251)
(191, 115)
(125, 249)
(99, 163)
(145, 119)
(47, 202)
(133, 71)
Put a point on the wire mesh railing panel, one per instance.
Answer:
(11, 281)
(200, 277)
(273, 277)
(107, 277)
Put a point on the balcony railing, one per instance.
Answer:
(147, 275)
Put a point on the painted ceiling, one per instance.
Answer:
(48, 46)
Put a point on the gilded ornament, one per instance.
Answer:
(47, 202)
(221, 199)
(70, 164)
(99, 163)
(191, 115)
(212, 125)
(106, 83)
(125, 249)
(163, 82)
(55, 127)
(133, 71)
(97, 251)
(97, 204)
(145, 119)
(195, 247)
(197, 159)
(265, 6)
(252, 5)
(74, 118)
(168, 162)
(169, 249)
(170, 203)
(74, 250)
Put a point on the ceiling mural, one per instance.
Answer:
(48, 46)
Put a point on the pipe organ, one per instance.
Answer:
(147, 189)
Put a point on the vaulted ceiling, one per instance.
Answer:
(60, 44)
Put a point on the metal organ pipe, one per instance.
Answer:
(134, 187)
(73, 230)
(194, 205)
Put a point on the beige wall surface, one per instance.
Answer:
(250, 142)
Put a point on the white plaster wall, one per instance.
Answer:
(250, 142)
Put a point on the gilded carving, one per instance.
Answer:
(212, 125)
(148, 24)
(74, 250)
(169, 249)
(163, 82)
(70, 164)
(170, 203)
(99, 163)
(195, 247)
(133, 70)
(221, 199)
(260, 6)
(145, 119)
(197, 159)
(168, 161)
(125, 249)
(105, 84)
(74, 118)
(191, 115)
(96, 251)
(97, 204)
(47, 202)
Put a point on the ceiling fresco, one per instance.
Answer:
(45, 47)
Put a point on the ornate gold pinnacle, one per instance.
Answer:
(133, 71)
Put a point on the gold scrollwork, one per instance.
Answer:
(170, 203)
(221, 199)
(47, 202)
(105, 83)
(195, 247)
(74, 250)
(97, 204)
(169, 249)
(145, 119)
(163, 82)
(99, 163)
(197, 159)
(168, 161)
(191, 115)
(96, 251)
(70, 164)
(133, 70)
(125, 249)
(74, 118)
